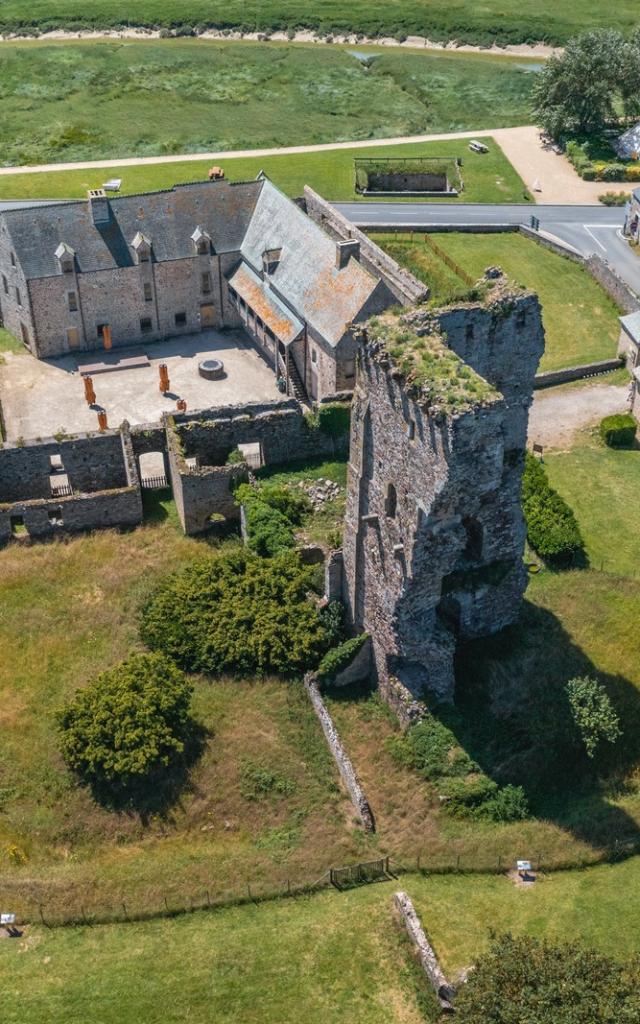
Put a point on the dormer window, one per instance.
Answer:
(270, 260)
(66, 258)
(201, 241)
(141, 245)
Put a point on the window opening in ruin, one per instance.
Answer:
(13, 259)
(5, 285)
(17, 525)
(146, 324)
(73, 302)
(473, 547)
(18, 297)
(206, 283)
(55, 516)
(411, 430)
(350, 368)
(148, 292)
(180, 319)
(391, 502)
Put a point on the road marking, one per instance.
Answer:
(586, 228)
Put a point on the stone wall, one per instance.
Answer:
(340, 756)
(434, 532)
(552, 377)
(100, 468)
(428, 959)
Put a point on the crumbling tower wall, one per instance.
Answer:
(434, 532)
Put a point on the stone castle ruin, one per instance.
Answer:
(434, 532)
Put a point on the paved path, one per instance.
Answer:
(523, 147)
(559, 413)
(229, 154)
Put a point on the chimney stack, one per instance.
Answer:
(345, 250)
(99, 205)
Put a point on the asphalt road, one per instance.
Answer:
(587, 229)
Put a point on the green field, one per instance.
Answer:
(488, 179)
(329, 958)
(79, 101)
(503, 21)
(580, 320)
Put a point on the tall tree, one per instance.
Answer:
(575, 93)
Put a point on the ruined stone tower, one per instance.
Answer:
(434, 534)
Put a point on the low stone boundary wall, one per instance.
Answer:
(443, 990)
(340, 756)
(547, 380)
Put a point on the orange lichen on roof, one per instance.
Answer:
(252, 290)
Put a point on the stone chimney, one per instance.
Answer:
(99, 205)
(345, 250)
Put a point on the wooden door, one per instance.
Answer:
(207, 316)
(73, 338)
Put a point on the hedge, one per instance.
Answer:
(552, 529)
(336, 660)
(619, 431)
(333, 419)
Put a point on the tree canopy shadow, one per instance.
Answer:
(160, 791)
(512, 716)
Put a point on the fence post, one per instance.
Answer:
(124, 907)
(166, 904)
(42, 915)
(418, 863)
(208, 898)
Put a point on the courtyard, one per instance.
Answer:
(42, 398)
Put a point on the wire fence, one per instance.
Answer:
(65, 913)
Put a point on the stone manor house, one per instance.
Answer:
(107, 272)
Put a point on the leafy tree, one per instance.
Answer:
(575, 93)
(129, 726)
(238, 613)
(526, 981)
(593, 713)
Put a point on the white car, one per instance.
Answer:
(478, 147)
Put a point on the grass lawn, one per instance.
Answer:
(189, 96)
(10, 344)
(602, 486)
(488, 179)
(503, 21)
(67, 611)
(580, 320)
(329, 958)
(323, 526)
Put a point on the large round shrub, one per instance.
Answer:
(619, 431)
(237, 613)
(130, 725)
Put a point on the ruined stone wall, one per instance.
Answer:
(92, 462)
(100, 468)
(434, 532)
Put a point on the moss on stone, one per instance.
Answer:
(435, 375)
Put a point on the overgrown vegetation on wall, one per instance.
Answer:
(272, 513)
(552, 529)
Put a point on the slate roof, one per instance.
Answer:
(167, 218)
(257, 294)
(631, 324)
(326, 298)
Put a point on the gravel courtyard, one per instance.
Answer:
(43, 397)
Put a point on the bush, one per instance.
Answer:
(129, 726)
(619, 431)
(613, 198)
(593, 713)
(271, 513)
(333, 419)
(237, 613)
(552, 529)
(336, 660)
